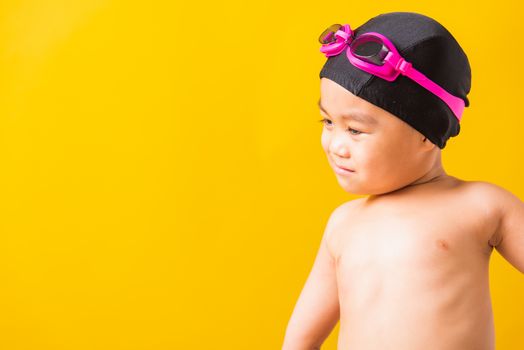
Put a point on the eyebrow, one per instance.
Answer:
(364, 118)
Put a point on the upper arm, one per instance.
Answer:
(317, 309)
(509, 238)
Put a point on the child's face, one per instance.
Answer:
(385, 152)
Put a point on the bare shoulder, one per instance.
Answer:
(496, 201)
(338, 218)
(508, 238)
(495, 195)
(341, 213)
(492, 196)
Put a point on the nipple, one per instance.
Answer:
(442, 244)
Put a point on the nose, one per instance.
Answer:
(339, 146)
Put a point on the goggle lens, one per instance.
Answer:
(328, 35)
(370, 49)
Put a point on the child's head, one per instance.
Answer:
(412, 121)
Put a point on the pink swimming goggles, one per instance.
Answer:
(374, 53)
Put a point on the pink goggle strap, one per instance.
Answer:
(456, 104)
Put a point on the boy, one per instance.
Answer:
(406, 267)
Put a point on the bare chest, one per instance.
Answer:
(410, 244)
(414, 233)
(403, 240)
(413, 266)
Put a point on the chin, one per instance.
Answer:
(349, 186)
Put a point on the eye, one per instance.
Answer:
(325, 122)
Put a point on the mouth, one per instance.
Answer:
(342, 171)
(343, 168)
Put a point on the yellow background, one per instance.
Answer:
(162, 180)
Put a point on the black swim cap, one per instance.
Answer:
(433, 51)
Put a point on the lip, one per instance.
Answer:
(343, 171)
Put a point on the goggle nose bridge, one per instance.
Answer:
(347, 37)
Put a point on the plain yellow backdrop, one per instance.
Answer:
(162, 180)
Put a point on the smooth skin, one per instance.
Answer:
(407, 266)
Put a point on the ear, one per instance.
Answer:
(427, 144)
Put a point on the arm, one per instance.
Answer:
(509, 238)
(317, 310)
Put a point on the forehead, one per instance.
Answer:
(352, 114)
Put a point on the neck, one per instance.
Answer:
(434, 174)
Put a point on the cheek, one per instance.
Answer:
(375, 161)
(389, 164)
(324, 140)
